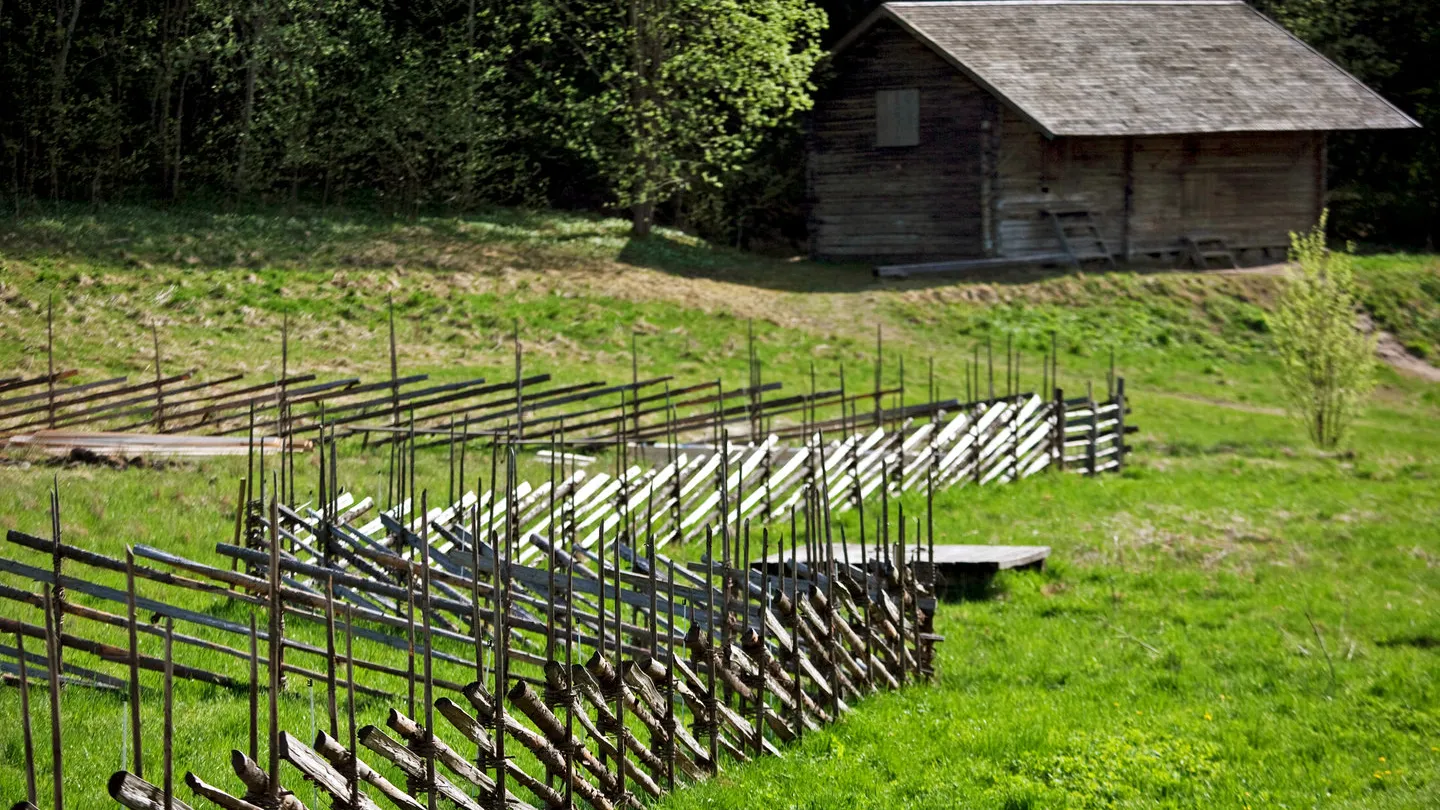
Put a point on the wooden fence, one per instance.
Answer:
(717, 660)
(615, 671)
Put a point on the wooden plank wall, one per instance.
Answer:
(1252, 189)
(1036, 173)
(904, 203)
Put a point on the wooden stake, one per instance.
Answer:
(672, 751)
(330, 655)
(761, 657)
(354, 771)
(410, 647)
(168, 735)
(25, 731)
(139, 763)
(254, 691)
(52, 655)
(711, 721)
(49, 380)
(519, 393)
(159, 392)
(394, 368)
(429, 641)
(273, 783)
(57, 588)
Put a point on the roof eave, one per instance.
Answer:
(1411, 122)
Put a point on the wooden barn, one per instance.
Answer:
(991, 132)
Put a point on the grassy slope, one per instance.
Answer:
(1236, 621)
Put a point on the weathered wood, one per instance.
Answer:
(136, 794)
(550, 757)
(609, 682)
(258, 788)
(903, 203)
(52, 654)
(412, 765)
(655, 702)
(103, 617)
(415, 734)
(529, 704)
(205, 790)
(319, 771)
(26, 730)
(343, 760)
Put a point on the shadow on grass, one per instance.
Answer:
(971, 588)
(796, 275)
(210, 234)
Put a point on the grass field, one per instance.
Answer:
(1237, 621)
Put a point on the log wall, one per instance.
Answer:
(900, 203)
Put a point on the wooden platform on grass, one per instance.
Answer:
(951, 562)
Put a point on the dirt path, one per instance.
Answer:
(1393, 353)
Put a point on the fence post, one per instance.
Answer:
(1058, 440)
(1015, 439)
(1119, 423)
(1094, 431)
(975, 445)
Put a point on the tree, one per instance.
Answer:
(1385, 185)
(1326, 361)
(665, 95)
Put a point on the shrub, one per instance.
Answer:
(1327, 364)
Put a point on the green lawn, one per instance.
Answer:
(1236, 621)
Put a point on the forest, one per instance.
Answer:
(689, 113)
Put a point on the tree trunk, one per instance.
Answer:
(642, 216)
(247, 110)
(179, 123)
(57, 85)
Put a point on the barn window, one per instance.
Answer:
(897, 117)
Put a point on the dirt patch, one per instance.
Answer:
(1393, 353)
(1277, 269)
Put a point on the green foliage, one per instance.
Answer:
(452, 103)
(1384, 186)
(670, 95)
(1326, 362)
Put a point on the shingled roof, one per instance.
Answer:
(1142, 67)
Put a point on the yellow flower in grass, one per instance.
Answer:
(1208, 717)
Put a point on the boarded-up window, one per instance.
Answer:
(897, 117)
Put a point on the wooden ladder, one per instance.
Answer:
(1080, 236)
(1206, 248)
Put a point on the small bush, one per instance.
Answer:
(1327, 363)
